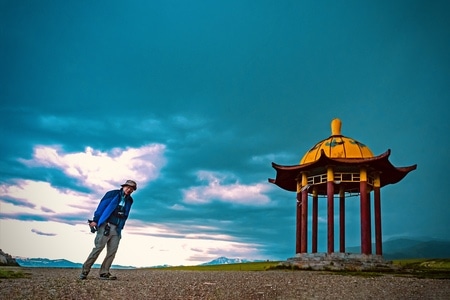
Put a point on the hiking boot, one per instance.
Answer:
(83, 275)
(107, 276)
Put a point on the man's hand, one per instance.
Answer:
(92, 225)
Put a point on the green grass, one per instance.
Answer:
(8, 274)
(425, 268)
(250, 266)
(440, 263)
(420, 268)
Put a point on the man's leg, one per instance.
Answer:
(100, 242)
(111, 250)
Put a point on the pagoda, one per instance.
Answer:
(341, 166)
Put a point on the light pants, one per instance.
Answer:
(112, 244)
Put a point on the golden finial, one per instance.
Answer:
(336, 125)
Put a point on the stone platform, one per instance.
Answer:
(339, 262)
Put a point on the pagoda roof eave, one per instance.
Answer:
(286, 177)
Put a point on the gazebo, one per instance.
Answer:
(338, 165)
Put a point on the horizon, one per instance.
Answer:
(194, 101)
(247, 259)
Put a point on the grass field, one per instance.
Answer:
(13, 272)
(437, 264)
(418, 264)
(422, 268)
(426, 268)
(249, 266)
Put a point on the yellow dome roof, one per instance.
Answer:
(337, 146)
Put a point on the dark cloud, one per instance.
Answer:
(47, 210)
(18, 202)
(23, 217)
(38, 232)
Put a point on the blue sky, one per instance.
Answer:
(194, 100)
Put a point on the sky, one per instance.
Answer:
(194, 100)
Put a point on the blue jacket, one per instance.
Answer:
(107, 206)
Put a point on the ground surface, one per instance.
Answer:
(45, 283)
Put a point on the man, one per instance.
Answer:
(109, 219)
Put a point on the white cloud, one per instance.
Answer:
(103, 170)
(41, 199)
(20, 238)
(217, 189)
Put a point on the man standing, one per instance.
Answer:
(109, 219)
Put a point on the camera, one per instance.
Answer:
(107, 229)
(93, 228)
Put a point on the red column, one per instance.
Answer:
(341, 220)
(369, 221)
(377, 207)
(315, 213)
(365, 213)
(298, 231)
(330, 209)
(304, 242)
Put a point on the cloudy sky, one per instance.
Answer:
(194, 100)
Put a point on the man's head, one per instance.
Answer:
(129, 186)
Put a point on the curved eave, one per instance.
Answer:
(286, 177)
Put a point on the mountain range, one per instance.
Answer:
(57, 263)
(403, 248)
(225, 261)
(63, 263)
(406, 248)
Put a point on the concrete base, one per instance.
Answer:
(339, 262)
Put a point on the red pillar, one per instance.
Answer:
(377, 207)
(298, 231)
(304, 236)
(365, 214)
(315, 213)
(369, 229)
(330, 209)
(341, 220)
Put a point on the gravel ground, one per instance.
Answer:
(45, 283)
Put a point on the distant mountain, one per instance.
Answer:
(224, 261)
(64, 263)
(46, 263)
(404, 248)
(161, 266)
(57, 263)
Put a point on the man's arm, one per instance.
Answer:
(101, 207)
